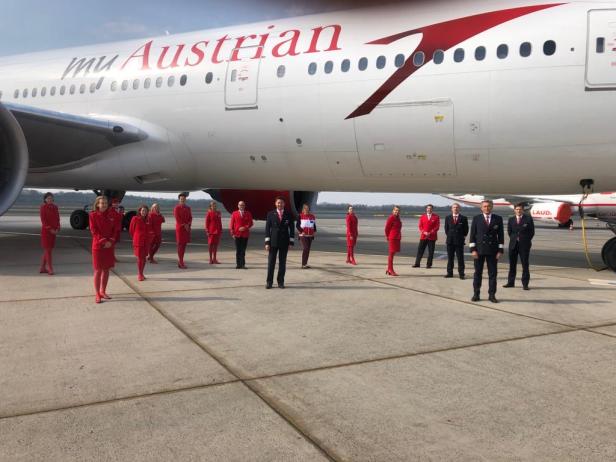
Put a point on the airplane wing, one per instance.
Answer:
(57, 140)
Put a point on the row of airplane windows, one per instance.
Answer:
(419, 58)
(94, 86)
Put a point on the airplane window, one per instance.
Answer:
(312, 68)
(16, 94)
(549, 47)
(600, 44)
(34, 92)
(329, 67)
(458, 55)
(52, 92)
(136, 84)
(62, 90)
(159, 82)
(480, 53)
(114, 85)
(363, 64)
(125, 85)
(281, 71)
(25, 93)
(346, 65)
(502, 51)
(100, 83)
(72, 89)
(381, 61)
(233, 75)
(525, 49)
(82, 88)
(147, 83)
(399, 60)
(419, 58)
(209, 77)
(438, 57)
(171, 80)
(183, 80)
(92, 87)
(43, 91)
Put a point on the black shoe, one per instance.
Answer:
(415, 266)
(428, 267)
(268, 286)
(238, 267)
(493, 299)
(526, 288)
(280, 286)
(475, 298)
(508, 286)
(462, 277)
(449, 275)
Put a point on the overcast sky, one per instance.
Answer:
(37, 25)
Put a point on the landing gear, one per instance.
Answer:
(608, 253)
(80, 219)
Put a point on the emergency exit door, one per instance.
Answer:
(601, 52)
(242, 81)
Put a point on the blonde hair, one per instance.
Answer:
(155, 206)
(97, 200)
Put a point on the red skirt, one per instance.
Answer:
(48, 240)
(351, 242)
(213, 239)
(140, 251)
(182, 236)
(103, 259)
(394, 245)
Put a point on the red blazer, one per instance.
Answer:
(393, 228)
(183, 216)
(428, 229)
(237, 222)
(156, 221)
(50, 217)
(213, 223)
(103, 229)
(119, 218)
(351, 225)
(140, 230)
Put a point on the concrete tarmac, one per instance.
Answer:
(345, 364)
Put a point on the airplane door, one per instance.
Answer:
(601, 52)
(408, 139)
(242, 81)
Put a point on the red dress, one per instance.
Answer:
(103, 229)
(393, 233)
(140, 231)
(428, 227)
(156, 221)
(119, 219)
(213, 226)
(183, 216)
(50, 220)
(238, 221)
(351, 230)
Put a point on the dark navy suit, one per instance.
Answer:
(520, 241)
(279, 235)
(487, 239)
(455, 231)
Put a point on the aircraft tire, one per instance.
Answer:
(608, 253)
(79, 219)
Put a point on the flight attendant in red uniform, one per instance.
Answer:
(50, 226)
(307, 227)
(239, 225)
(156, 221)
(213, 229)
(183, 222)
(140, 230)
(103, 228)
(118, 214)
(351, 235)
(429, 224)
(393, 233)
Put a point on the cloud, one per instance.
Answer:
(124, 29)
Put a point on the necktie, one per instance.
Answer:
(487, 219)
(455, 220)
(519, 220)
(279, 215)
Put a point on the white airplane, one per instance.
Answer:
(492, 96)
(552, 209)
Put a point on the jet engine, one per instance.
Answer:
(14, 159)
(559, 212)
(261, 202)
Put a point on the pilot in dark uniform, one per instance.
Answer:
(456, 229)
(521, 230)
(279, 236)
(487, 243)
